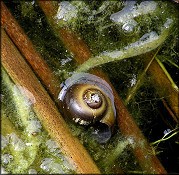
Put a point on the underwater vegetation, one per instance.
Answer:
(89, 87)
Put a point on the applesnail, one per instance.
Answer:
(88, 100)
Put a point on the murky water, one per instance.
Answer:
(118, 36)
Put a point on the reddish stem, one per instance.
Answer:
(128, 127)
(28, 50)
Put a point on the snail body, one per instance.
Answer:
(88, 100)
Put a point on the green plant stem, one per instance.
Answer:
(171, 62)
(122, 54)
(158, 141)
(110, 158)
(132, 92)
(6, 125)
(167, 74)
(163, 139)
(23, 110)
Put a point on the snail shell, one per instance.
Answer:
(88, 100)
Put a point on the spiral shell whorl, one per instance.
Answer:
(88, 99)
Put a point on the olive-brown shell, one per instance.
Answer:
(88, 100)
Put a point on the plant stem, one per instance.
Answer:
(132, 92)
(28, 50)
(164, 84)
(167, 74)
(44, 107)
(23, 109)
(126, 123)
(131, 51)
(158, 141)
(163, 138)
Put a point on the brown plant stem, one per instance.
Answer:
(164, 86)
(81, 53)
(44, 107)
(28, 50)
(129, 129)
(142, 150)
(169, 110)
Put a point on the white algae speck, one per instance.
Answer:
(49, 165)
(16, 142)
(51, 145)
(32, 171)
(33, 126)
(4, 142)
(66, 11)
(6, 158)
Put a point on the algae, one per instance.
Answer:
(26, 150)
(109, 41)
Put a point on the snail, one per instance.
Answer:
(88, 100)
